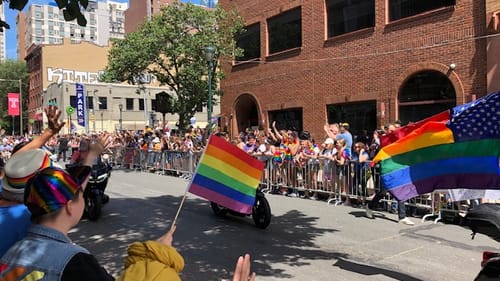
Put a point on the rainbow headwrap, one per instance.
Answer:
(49, 190)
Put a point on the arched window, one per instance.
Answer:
(425, 94)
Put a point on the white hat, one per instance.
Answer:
(329, 141)
(156, 139)
(19, 169)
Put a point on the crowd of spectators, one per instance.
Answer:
(41, 201)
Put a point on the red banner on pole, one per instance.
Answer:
(13, 104)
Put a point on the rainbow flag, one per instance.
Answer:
(227, 176)
(461, 151)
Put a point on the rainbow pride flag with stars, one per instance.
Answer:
(228, 176)
(460, 151)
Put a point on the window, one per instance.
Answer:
(129, 104)
(399, 9)
(290, 119)
(103, 103)
(141, 104)
(359, 115)
(153, 105)
(285, 31)
(346, 16)
(72, 101)
(249, 41)
(90, 102)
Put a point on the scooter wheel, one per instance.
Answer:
(261, 213)
(218, 209)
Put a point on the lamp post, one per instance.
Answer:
(120, 106)
(20, 103)
(102, 122)
(209, 55)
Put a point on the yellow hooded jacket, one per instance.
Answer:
(152, 261)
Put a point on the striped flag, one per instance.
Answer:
(461, 151)
(228, 176)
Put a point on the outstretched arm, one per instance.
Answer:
(55, 126)
(96, 148)
(276, 132)
(328, 131)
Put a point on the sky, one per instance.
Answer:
(10, 18)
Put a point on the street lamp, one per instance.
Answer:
(20, 103)
(209, 55)
(120, 106)
(102, 122)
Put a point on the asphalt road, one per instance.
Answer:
(307, 240)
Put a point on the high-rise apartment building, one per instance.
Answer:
(141, 10)
(3, 53)
(45, 24)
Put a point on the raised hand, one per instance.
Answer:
(53, 114)
(242, 269)
(100, 144)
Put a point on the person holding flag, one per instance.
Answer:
(437, 152)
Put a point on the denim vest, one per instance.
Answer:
(42, 255)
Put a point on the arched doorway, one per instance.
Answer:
(247, 113)
(424, 94)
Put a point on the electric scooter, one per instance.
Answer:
(261, 212)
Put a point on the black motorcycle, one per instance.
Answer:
(261, 212)
(94, 196)
(94, 193)
(485, 219)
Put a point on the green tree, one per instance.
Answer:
(10, 73)
(71, 10)
(171, 47)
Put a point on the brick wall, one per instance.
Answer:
(370, 64)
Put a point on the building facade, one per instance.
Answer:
(67, 62)
(54, 71)
(45, 24)
(108, 107)
(367, 63)
(139, 11)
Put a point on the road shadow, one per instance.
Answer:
(376, 215)
(209, 244)
(372, 270)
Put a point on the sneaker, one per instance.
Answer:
(293, 194)
(406, 221)
(368, 212)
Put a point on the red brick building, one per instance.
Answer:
(139, 11)
(365, 62)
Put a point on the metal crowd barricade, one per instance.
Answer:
(337, 184)
(130, 158)
(178, 163)
(322, 178)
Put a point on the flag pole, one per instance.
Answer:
(174, 222)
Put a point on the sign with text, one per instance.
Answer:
(13, 104)
(80, 104)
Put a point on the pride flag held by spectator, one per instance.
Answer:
(461, 152)
(228, 176)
